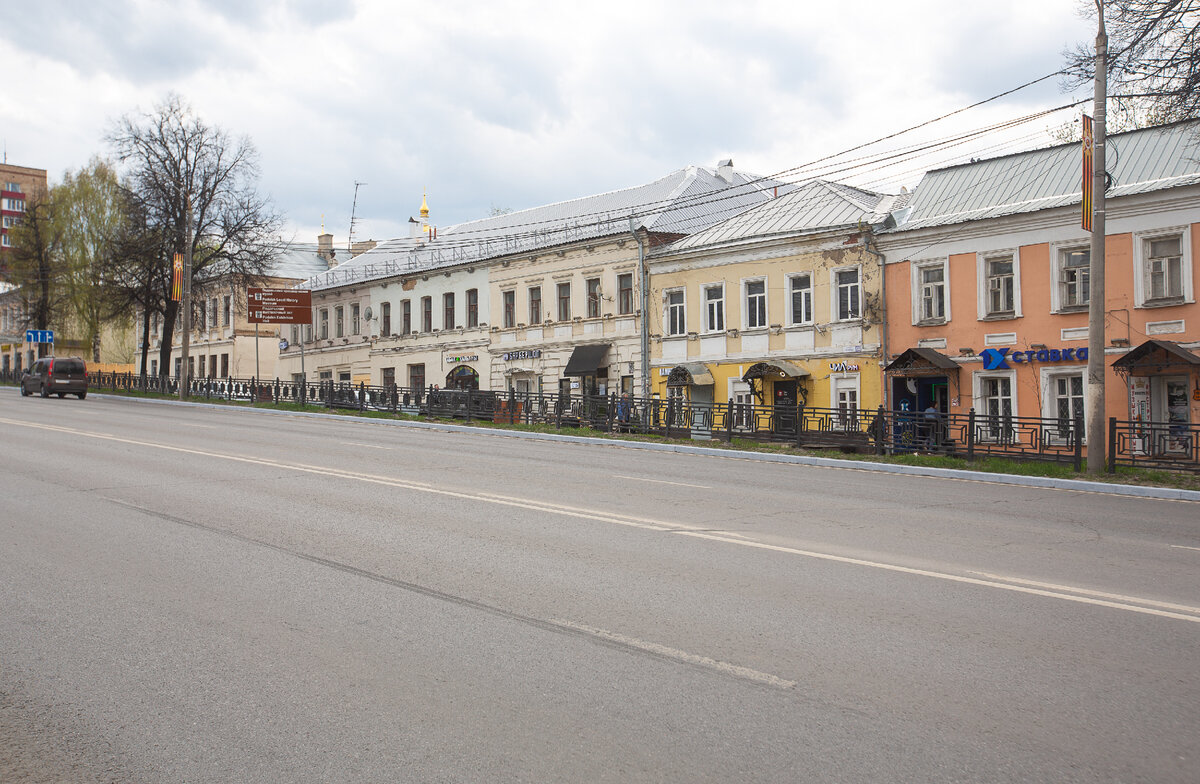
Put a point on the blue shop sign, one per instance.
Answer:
(998, 358)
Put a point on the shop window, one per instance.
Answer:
(800, 295)
(564, 301)
(714, 308)
(756, 304)
(625, 293)
(676, 323)
(1064, 400)
(448, 319)
(472, 307)
(535, 304)
(845, 399)
(1073, 278)
(995, 417)
(510, 308)
(593, 297)
(427, 314)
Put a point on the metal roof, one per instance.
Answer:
(297, 264)
(682, 202)
(1138, 161)
(818, 205)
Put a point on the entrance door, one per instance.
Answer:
(1170, 405)
(785, 406)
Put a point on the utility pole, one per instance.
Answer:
(1096, 298)
(187, 302)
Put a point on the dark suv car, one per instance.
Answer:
(56, 375)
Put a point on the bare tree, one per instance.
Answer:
(176, 161)
(1153, 59)
(36, 265)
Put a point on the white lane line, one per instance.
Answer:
(1126, 603)
(192, 424)
(674, 653)
(1088, 592)
(660, 481)
(1183, 547)
(368, 446)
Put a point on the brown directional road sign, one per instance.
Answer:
(279, 306)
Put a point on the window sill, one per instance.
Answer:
(1007, 315)
(1072, 309)
(754, 331)
(933, 322)
(1164, 302)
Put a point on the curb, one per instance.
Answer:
(1078, 485)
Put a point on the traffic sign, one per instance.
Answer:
(279, 306)
(39, 336)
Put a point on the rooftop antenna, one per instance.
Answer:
(353, 219)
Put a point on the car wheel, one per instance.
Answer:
(45, 392)
(61, 395)
(82, 395)
(24, 391)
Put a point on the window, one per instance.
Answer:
(427, 314)
(800, 291)
(355, 329)
(7, 241)
(845, 397)
(756, 304)
(388, 376)
(1066, 400)
(564, 301)
(932, 280)
(405, 316)
(385, 319)
(416, 375)
(625, 293)
(593, 298)
(510, 308)
(675, 315)
(448, 321)
(1001, 286)
(224, 366)
(14, 205)
(1164, 269)
(202, 366)
(848, 295)
(200, 313)
(714, 308)
(308, 333)
(10, 221)
(12, 187)
(339, 322)
(1073, 278)
(535, 304)
(472, 307)
(212, 313)
(996, 395)
(226, 310)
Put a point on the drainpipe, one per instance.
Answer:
(869, 245)
(645, 330)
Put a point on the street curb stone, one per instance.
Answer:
(1079, 485)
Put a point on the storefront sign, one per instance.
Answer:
(534, 353)
(843, 367)
(462, 358)
(998, 358)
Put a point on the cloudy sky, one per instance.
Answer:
(512, 104)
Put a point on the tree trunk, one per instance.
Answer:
(168, 337)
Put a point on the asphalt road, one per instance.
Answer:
(205, 595)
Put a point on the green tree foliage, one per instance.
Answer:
(180, 165)
(36, 265)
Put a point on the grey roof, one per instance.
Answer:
(298, 264)
(684, 201)
(1139, 161)
(818, 205)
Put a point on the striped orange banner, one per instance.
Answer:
(1087, 173)
(177, 278)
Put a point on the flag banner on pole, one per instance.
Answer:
(1087, 173)
(177, 278)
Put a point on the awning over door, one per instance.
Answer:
(922, 362)
(586, 360)
(692, 373)
(776, 368)
(1157, 356)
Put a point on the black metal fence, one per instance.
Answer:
(971, 435)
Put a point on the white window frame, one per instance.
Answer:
(835, 313)
(807, 318)
(984, 294)
(712, 306)
(1141, 245)
(978, 380)
(846, 382)
(669, 312)
(1048, 381)
(746, 283)
(917, 287)
(1057, 251)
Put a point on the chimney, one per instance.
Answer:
(725, 170)
(325, 246)
(414, 229)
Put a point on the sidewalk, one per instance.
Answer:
(1137, 491)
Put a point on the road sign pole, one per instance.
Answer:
(257, 372)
